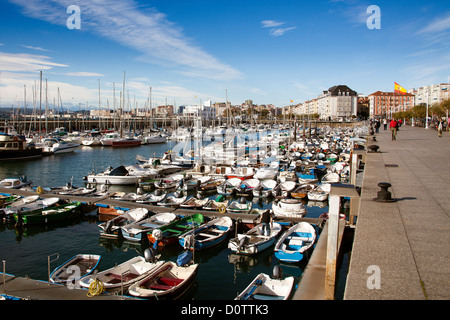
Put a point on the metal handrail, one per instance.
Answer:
(121, 280)
(49, 262)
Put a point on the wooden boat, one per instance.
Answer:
(126, 142)
(229, 186)
(242, 173)
(153, 198)
(265, 288)
(207, 235)
(169, 182)
(27, 207)
(193, 184)
(295, 242)
(173, 201)
(123, 275)
(14, 147)
(170, 281)
(289, 208)
(317, 194)
(254, 240)
(7, 199)
(168, 235)
(284, 188)
(219, 204)
(264, 190)
(247, 186)
(194, 203)
(137, 231)
(49, 215)
(112, 228)
(302, 191)
(210, 186)
(241, 206)
(84, 264)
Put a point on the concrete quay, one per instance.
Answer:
(401, 249)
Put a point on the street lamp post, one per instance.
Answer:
(426, 119)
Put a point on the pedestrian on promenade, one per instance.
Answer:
(377, 126)
(393, 126)
(385, 123)
(266, 218)
(399, 123)
(440, 129)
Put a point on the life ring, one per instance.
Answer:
(39, 190)
(222, 209)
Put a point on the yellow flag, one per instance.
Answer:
(398, 88)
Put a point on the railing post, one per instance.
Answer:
(332, 249)
(50, 261)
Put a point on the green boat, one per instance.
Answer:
(169, 233)
(49, 215)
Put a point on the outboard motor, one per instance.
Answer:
(149, 255)
(277, 272)
(243, 243)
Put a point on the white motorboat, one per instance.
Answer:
(58, 146)
(15, 183)
(265, 173)
(264, 190)
(122, 175)
(113, 228)
(289, 208)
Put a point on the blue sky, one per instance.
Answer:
(190, 51)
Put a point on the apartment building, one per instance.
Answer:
(386, 103)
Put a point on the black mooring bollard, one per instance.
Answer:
(384, 195)
(373, 148)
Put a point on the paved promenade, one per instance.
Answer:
(408, 241)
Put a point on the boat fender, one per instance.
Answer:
(277, 272)
(157, 234)
(149, 255)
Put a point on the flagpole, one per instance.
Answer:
(426, 120)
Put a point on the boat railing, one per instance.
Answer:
(51, 258)
(122, 276)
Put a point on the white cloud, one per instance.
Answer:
(35, 48)
(438, 25)
(144, 30)
(23, 62)
(274, 27)
(84, 74)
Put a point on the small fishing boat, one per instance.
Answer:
(169, 182)
(194, 203)
(122, 275)
(48, 215)
(240, 206)
(264, 190)
(289, 208)
(295, 242)
(265, 288)
(210, 186)
(219, 204)
(170, 281)
(267, 173)
(254, 240)
(15, 183)
(247, 186)
(317, 194)
(137, 231)
(242, 173)
(29, 206)
(284, 188)
(207, 235)
(229, 186)
(174, 200)
(302, 191)
(168, 235)
(113, 228)
(126, 142)
(84, 264)
(155, 197)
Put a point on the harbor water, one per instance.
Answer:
(221, 274)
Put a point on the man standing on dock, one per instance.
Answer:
(393, 125)
(266, 218)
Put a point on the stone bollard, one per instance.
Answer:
(384, 195)
(373, 148)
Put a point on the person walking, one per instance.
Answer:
(377, 126)
(393, 126)
(385, 123)
(440, 129)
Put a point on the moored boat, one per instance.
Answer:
(137, 231)
(113, 228)
(289, 208)
(48, 215)
(168, 234)
(207, 235)
(265, 288)
(83, 264)
(14, 147)
(254, 241)
(295, 242)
